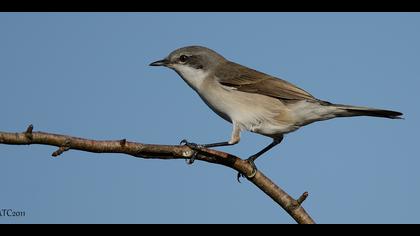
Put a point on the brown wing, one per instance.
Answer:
(252, 81)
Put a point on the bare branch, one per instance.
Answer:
(152, 151)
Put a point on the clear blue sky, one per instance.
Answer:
(87, 75)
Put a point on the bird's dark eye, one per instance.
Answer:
(183, 58)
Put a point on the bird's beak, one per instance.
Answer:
(163, 62)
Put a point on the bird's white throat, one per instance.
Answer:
(194, 77)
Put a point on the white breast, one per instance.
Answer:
(253, 112)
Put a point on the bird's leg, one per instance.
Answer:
(233, 140)
(254, 157)
(264, 150)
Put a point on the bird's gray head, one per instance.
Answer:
(196, 57)
(192, 63)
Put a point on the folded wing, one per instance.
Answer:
(251, 81)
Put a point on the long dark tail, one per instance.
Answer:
(346, 110)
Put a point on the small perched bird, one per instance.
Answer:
(252, 100)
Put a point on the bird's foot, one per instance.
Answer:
(193, 146)
(250, 160)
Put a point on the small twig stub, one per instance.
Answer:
(302, 198)
(28, 132)
(63, 148)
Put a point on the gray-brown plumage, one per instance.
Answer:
(252, 100)
(252, 81)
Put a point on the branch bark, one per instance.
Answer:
(150, 151)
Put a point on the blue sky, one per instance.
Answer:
(87, 75)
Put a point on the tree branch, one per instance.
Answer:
(150, 151)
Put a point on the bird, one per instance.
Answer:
(252, 100)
